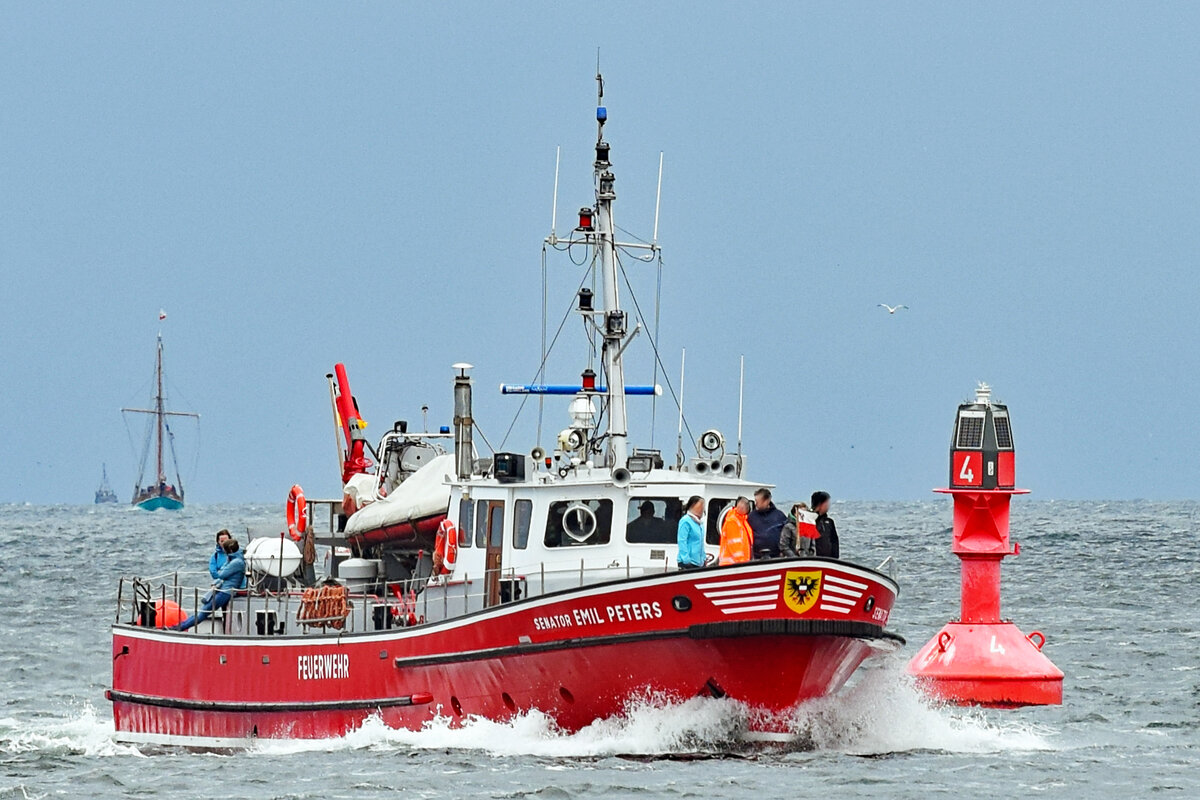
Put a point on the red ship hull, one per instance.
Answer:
(577, 656)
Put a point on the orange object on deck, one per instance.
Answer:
(737, 539)
(167, 613)
(297, 513)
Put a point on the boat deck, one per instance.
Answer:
(292, 610)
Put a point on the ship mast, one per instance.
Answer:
(160, 414)
(158, 411)
(614, 325)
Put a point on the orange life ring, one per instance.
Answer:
(445, 548)
(297, 513)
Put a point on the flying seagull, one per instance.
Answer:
(891, 309)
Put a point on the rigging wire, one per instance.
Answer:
(654, 346)
(542, 366)
(479, 430)
(187, 404)
(654, 382)
(174, 459)
(145, 447)
(592, 336)
(629, 251)
(570, 254)
(129, 434)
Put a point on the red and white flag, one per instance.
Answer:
(161, 315)
(806, 525)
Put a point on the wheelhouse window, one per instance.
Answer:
(466, 521)
(481, 523)
(522, 517)
(653, 520)
(496, 524)
(575, 523)
(717, 509)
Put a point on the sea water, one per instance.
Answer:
(1110, 584)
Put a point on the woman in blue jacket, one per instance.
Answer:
(691, 535)
(230, 578)
(219, 558)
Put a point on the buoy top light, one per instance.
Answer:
(982, 455)
(462, 368)
(601, 114)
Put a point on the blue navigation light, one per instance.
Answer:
(601, 113)
(444, 429)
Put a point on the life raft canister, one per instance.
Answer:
(445, 548)
(297, 513)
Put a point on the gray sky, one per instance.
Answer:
(298, 184)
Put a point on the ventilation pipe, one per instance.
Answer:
(464, 448)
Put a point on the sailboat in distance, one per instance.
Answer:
(158, 492)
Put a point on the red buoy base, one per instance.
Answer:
(987, 664)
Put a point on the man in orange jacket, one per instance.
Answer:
(737, 538)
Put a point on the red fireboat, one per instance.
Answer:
(463, 587)
(981, 659)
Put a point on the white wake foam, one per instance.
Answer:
(647, 728)
(80, 734)
(883, 713)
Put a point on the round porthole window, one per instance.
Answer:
(579, 522)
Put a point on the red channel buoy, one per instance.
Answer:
(981, 659)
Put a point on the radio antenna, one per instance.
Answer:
(741, 390)
(679, 441)
(657, 198)
(554, 210)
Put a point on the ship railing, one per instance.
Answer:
(456, 594)
(262, 611)
(328, 510)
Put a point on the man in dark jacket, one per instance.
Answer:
(827, 542)
(766, 521)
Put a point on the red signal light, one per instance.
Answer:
(585, 220)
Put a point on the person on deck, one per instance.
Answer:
(767, 522)
(737, 538)
(231, 577)
(218, 558)
(691, 535)
(796, 540)
(647, 527)
(827, 541)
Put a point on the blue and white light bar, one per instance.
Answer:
(568, 389)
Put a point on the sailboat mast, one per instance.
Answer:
(614, 323)
(158, 410)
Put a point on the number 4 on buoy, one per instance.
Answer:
(967, 468)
